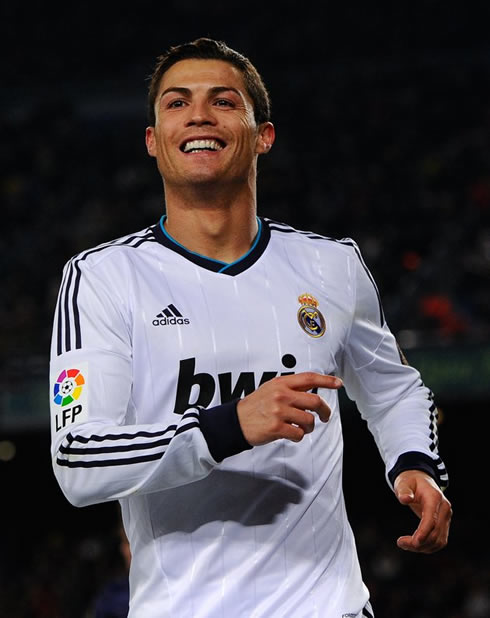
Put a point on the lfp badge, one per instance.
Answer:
(310, 317)
(68, 387)
(69, 402)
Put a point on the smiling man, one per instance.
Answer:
(208, 350)
(206, 140)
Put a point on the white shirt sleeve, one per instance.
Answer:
(390, 395)
(99, 452)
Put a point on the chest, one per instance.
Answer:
(201, 337)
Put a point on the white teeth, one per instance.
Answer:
(202, 144)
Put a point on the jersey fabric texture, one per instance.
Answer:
(153, 346)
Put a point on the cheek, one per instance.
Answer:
(248, 125)
(163, 136)
(248, 136)
(164, 148)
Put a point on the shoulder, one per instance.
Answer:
(114, 249)
(285, 232)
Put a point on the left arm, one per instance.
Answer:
(399, 411)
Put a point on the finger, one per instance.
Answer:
(323, 410)
(405, 543)
(411, 543)
(436, 539)
(428, 522)
(307, 380)
(292, 432)
(431, 545)
(300, 418)
(404, 493)
(313, 402)
(421, 540)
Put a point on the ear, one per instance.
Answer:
(265, 138)
(150, 141)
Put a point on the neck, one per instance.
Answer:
(220, 227)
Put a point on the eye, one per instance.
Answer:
(223, 103)
(176, 103)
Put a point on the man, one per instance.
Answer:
(195, 368)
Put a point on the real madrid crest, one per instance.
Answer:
(310, 318)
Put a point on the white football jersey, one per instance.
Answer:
(152, 347)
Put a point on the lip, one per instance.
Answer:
(191, 138)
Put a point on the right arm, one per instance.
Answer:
(99, 450)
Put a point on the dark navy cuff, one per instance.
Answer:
(413, 460)
(221, 430)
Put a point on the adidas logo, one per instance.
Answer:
(170, 315)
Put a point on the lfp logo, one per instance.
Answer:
(68, 387)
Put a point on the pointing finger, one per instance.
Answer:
(307, 380)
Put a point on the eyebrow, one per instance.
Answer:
(213, 91)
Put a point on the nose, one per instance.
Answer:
(200, 113)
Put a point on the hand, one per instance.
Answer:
(419, 491)
(278, 408)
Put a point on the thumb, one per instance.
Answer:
(404, 494)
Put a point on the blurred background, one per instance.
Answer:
(383, 135)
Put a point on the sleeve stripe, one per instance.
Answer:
(131, 436)
(96, 463)
(67, 306)
(371, 278)
(120, 436)
(76, 312)
(121, 448)
(67, 311)
(60, 316)
(71, 456)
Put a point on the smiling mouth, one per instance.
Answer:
(201, 145)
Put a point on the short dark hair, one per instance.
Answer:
(208, 49)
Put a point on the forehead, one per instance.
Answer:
(194, 73)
